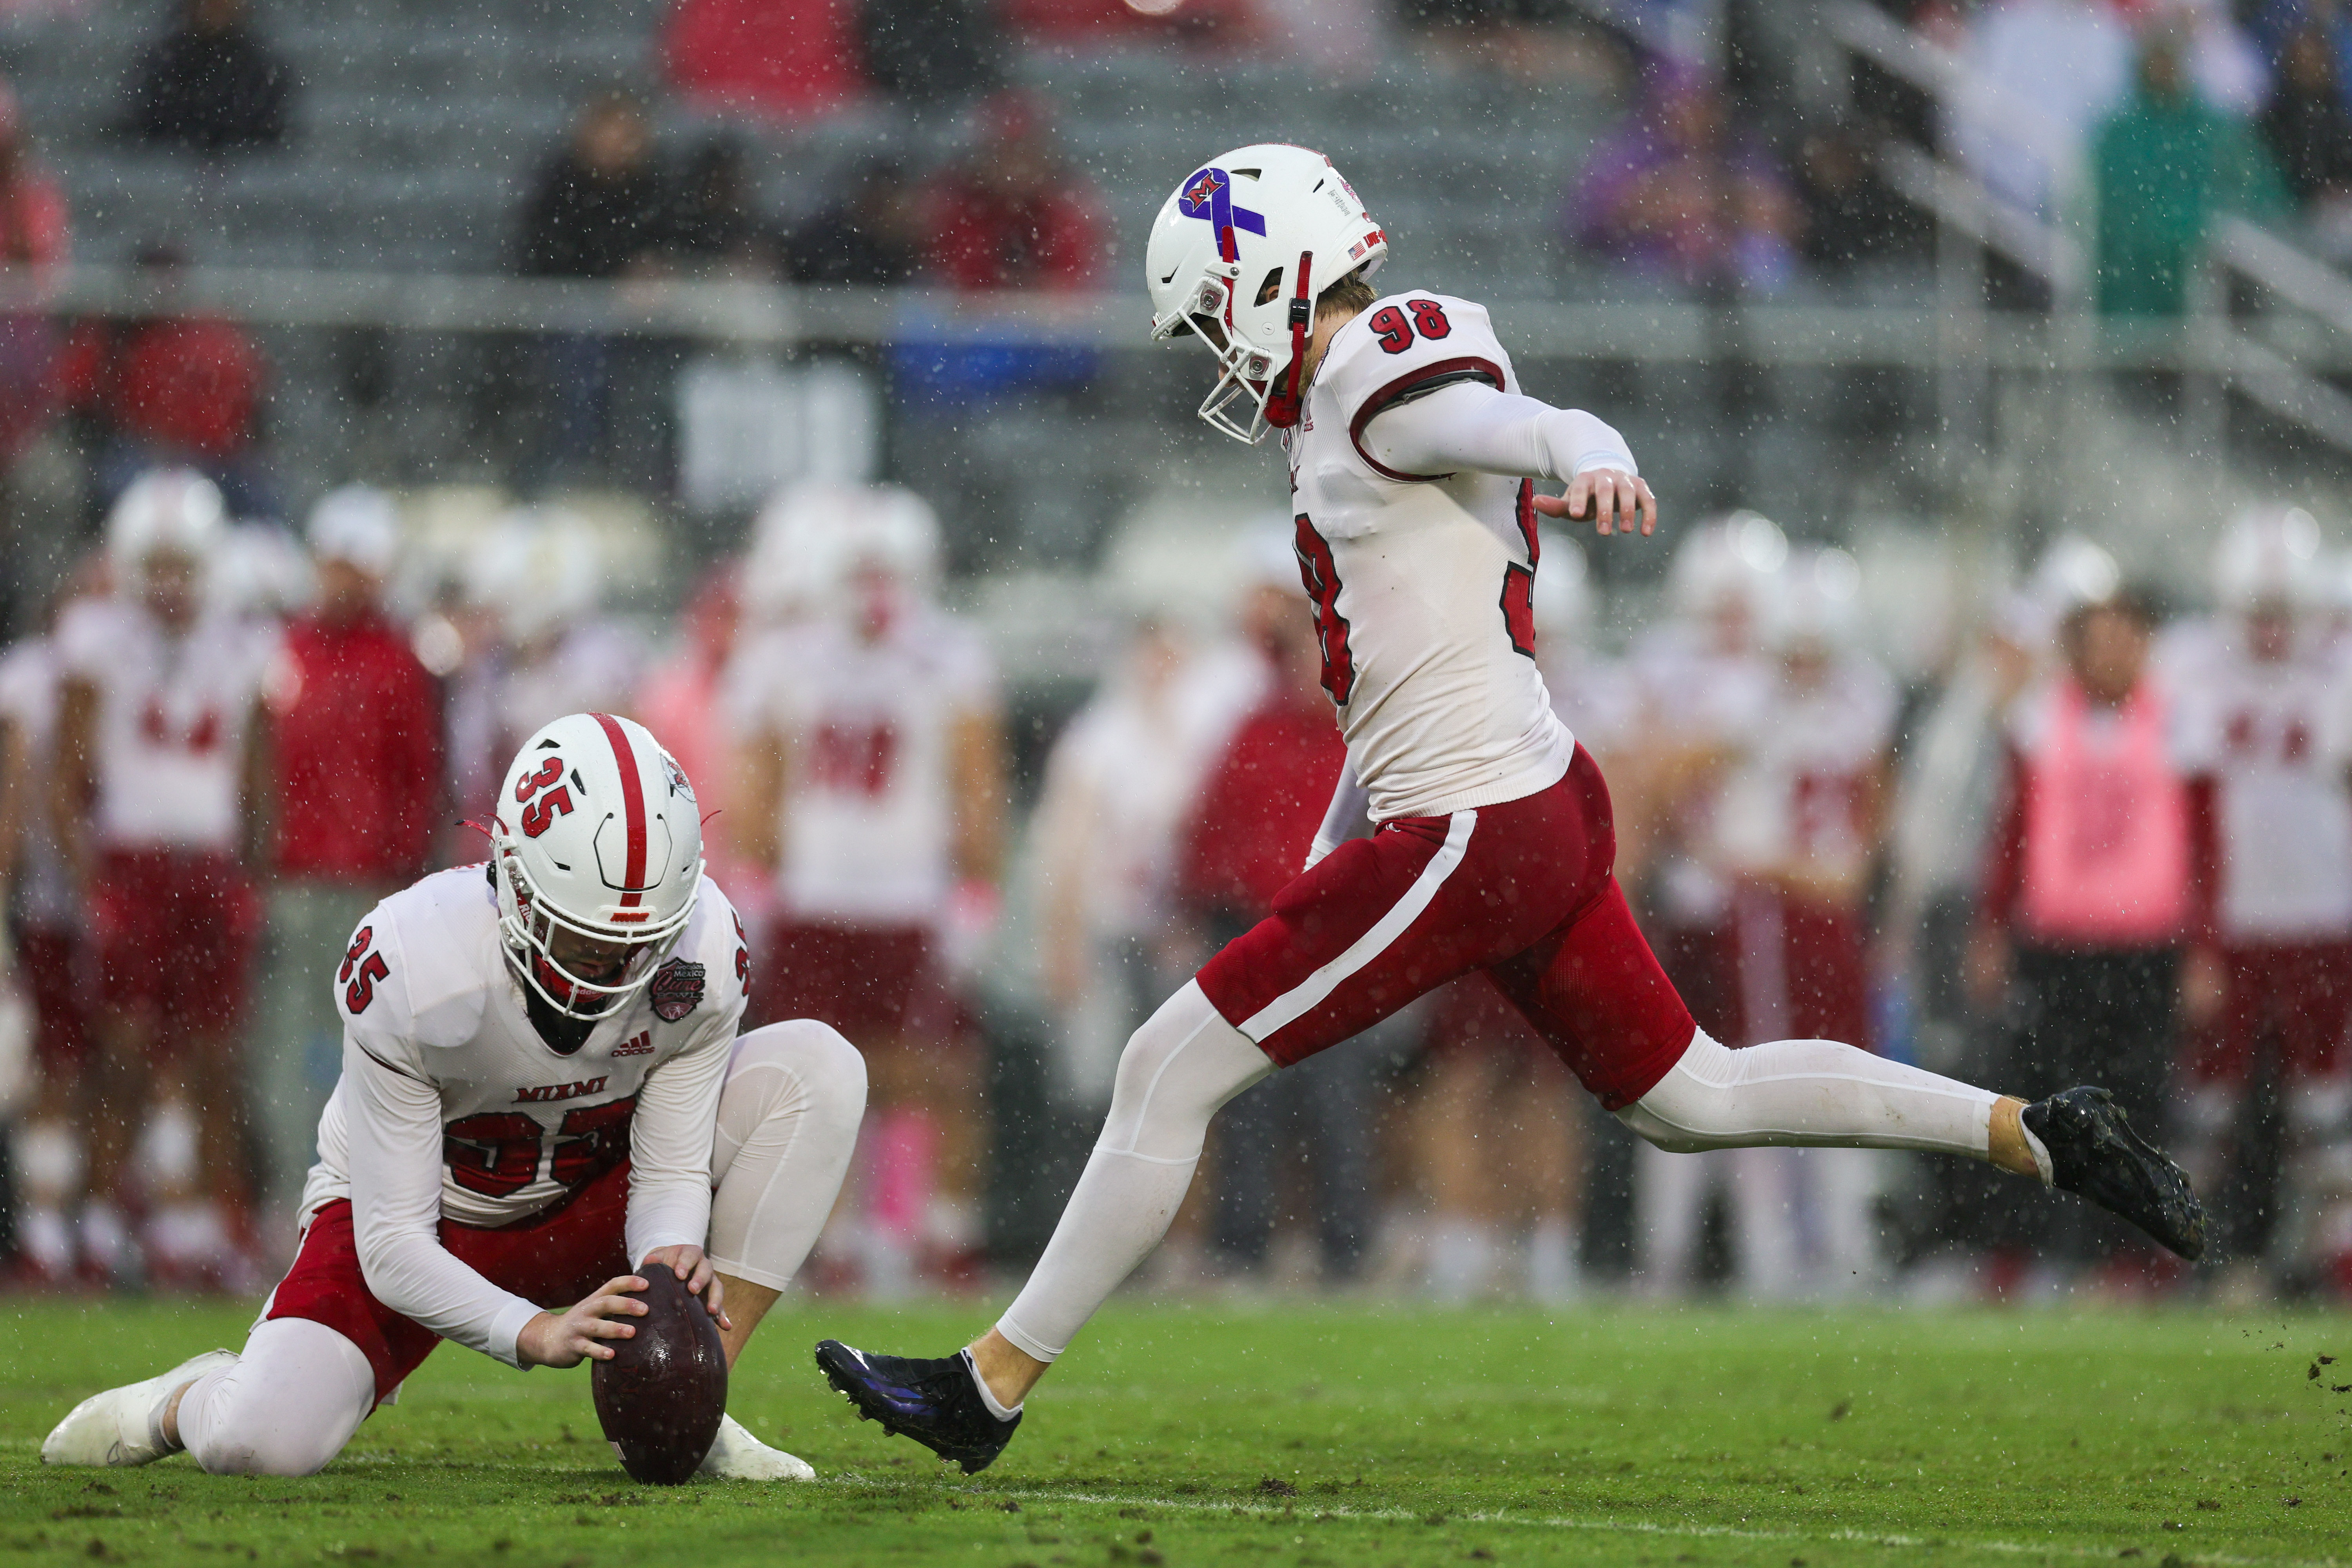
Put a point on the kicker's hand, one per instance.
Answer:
(569, 1337)
(695, 1273)
(1611, 497)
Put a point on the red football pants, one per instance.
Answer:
(1523, 890)
(552, 1259)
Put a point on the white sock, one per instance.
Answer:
(996, 1406)
(1461, 1259)
(952, 1224)
(46, 1238)
(1553, 1274)
(166, 1150)
(188, 1233)
(1178, 1070)
(105, 1239)
(48, 1160)
(157, 1438)
(1808, 1092)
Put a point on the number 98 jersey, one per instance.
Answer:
(1422, 584)
(424, 993)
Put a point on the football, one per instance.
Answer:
(660, 1398)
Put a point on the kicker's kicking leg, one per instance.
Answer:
(1821, 1092)
(1178, 1070)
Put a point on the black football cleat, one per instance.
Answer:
(2095, 1152)
(933, 1402)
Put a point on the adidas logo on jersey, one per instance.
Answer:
(544, 1091)
(643, 1045)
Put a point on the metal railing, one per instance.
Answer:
(1659, 332)
(2210, 347)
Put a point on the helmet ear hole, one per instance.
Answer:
(1271, 287)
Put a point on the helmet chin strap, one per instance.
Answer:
(1282, 408)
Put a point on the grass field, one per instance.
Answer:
(1350, 1436)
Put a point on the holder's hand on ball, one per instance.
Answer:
(578, 1333)
(695, 1273)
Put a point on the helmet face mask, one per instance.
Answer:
(578, 970)
(597, 851)
(1237, 403)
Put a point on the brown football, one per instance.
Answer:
(660, 1397)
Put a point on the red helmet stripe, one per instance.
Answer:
(633, 806)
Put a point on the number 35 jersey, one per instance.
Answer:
(1421, 583)
(431, 1012)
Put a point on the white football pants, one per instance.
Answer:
(788, 1119)
(1185, 1062)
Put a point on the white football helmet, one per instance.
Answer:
(789, 570)
(539, 568)
(596, 835)
(1817, 607)
(258, 570)
(176, 509)
(895, 531)
(360, 525)
(2270, 556)
(1236, 257)
(1728, 563)
(2073, 572)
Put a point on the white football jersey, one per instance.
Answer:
(1599, 700)
(1421, 585)
(172, 713)
(1795, 796)
(1122, 779)
(868, 812)
(424, 992)
(2272, 736)
(1699, 696)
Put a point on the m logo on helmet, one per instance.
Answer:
(1209, 195)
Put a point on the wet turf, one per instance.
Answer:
(1352, 1436)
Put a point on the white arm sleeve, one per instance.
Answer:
(669, 1142)
(393, 1124)
(1470, 426)
(1347, 819)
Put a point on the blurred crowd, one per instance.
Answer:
(2104, 842)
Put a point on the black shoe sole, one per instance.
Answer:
(2101, 1157)
(972, 1460)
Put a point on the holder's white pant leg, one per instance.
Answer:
(297, 1394)
(788, 1120)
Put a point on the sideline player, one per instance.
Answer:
(156, 802)
(1409, 445)
(871, 772)
(540, 1066)
(2260, 734)
(1795, 827)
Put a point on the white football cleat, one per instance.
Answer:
(115, 1428)
(737, 1455)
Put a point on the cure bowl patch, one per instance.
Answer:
(677, 990)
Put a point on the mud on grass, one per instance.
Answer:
(1346, 1434)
